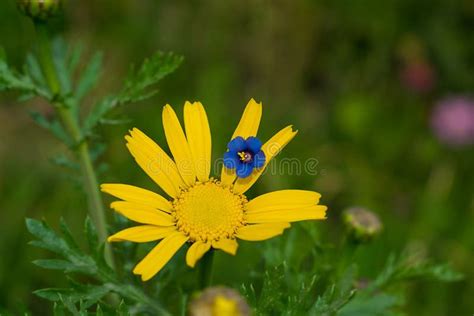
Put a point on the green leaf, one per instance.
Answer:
(332, 301)
(59, 48)
(122, 309)
(270, 299)
(67, 234)
(402, 269)
(58, 310)
(48, 239)
(151, 71)
(89, 77)
(74, 58)
(34, 70)
(98, 311)
(53, 126)
(438, 272)
(136, 87)
(23, 83)
(54, 264)
(63, 161)
(336, 296)
(92, 236)
(378, 305)
(74, 261)
(249, 292)
(89, 294)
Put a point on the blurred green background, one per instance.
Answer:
(358, 79)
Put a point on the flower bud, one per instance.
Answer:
(40, 9)
(219, 301)
(362, 224)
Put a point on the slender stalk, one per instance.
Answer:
(205, 277)
(71, 125)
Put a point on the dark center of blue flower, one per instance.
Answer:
(245, 156)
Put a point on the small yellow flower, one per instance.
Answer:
(219, 301)
(202, 211)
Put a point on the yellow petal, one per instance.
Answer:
(178, 145)
(196, 251)
(159, 256)
(228, 176)
(142, 233)
(271, 148)
(155, 162)
(142, 213)
(289, 215)
(283, 199)
(248, 126)
(198, 134)
(227, 245)
(261, 231)
(137, 195)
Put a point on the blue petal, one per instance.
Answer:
(254, 144)
(231, 161)
(237, 144)
(259, 160)
(244, 170)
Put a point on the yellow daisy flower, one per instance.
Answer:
(203, 211)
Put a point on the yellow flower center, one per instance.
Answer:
(208, 211)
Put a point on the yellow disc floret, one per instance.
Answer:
(209, 211)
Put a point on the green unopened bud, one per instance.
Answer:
(219, 301)
(363, 225)
(40, 9)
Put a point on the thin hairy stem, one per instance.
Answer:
(71, 125)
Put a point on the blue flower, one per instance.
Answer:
(244, 155)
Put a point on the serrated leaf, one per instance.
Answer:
(122, 309)
(34, 69)
(59, 49)
(48, 239)
(68, 304)
(47, 236)
(23, 83)
(335, 297)
(98, 311)
(67, 235)
(249, 292)
(151, 71)
(89, 77)
(75, 261)
(136, 87)
(74, 58)
(401, 269)
(378, 305)
(58, 310)
(426, 270)
(92, 236)
(63, 161)
(270, 299)
(54, 264)
(53, 126)
(88, 295)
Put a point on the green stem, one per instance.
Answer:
(205, 277)
(71, 125)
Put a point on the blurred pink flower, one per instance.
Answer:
(452, 121)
